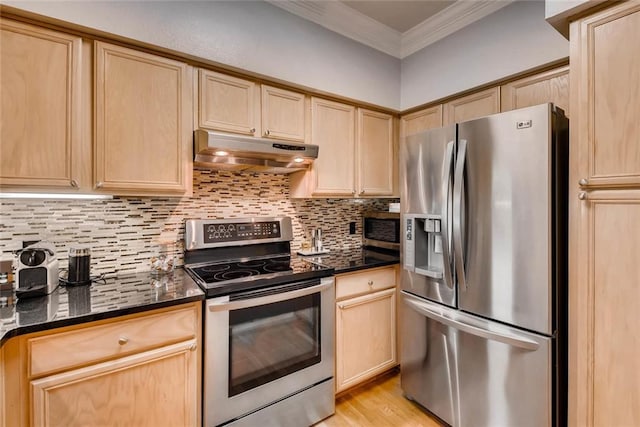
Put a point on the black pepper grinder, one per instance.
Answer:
(79, 266)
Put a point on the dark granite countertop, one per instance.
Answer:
(116, 296)
(354, 259)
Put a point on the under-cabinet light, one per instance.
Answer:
(54, 196)
(298, 160)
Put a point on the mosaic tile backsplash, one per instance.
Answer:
(124, 233)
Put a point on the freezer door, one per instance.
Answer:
(502, 218)
(503, 383)
(497, 375)
(428, 360)
(426, 188)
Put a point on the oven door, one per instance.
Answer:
(265, 345)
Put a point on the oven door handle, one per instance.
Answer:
(255, 302)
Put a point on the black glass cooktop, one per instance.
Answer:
(220, 278)
(238, 270)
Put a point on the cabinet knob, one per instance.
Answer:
(123, 340)
(267, 132)
(74, 183)
(361, 192)
(370, 283)
(252, 130)
(582, 195)
(583, 182)
(99, 184)
(193, 347)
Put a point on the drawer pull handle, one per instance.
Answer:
(370, 283)
(123, 340)
(193, 347)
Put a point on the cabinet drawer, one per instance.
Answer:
(96, 343)
(362, 282)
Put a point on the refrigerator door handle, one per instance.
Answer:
(505, 338)
(458, 182)
(444, 221)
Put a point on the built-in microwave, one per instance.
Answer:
(382, 230)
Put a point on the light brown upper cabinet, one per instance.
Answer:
(472, 106)
(604, 217)
(357, 153)
(429, 118)
(283, 114)
(40, 112)
(549, 86)
(375, 153)
(232, 104)
(143, 123)
(333, 172)
(229, 104)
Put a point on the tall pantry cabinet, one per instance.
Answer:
(604, 282)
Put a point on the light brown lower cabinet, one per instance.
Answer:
(365, 325)
(137, 370)
(154, 388)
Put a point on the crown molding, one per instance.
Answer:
(342, 19)
(446, 22)
(339, 18)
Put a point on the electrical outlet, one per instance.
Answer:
(352, 227)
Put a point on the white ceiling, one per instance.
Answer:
(401, 15)
(396, 27)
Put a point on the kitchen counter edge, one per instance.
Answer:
(192, 293)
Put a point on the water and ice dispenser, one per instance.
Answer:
(423, 245)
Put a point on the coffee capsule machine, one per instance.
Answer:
(37, 270)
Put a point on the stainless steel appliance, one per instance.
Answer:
(269, 324)
(484, 269)
(381, 230)
(214, 150)
(37, 270)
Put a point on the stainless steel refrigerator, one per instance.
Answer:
(484, 256)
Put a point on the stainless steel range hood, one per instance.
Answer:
(215, 150)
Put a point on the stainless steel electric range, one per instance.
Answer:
(269, 321)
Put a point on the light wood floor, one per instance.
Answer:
(378, 404)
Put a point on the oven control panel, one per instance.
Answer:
(240, 231)
(215, 233)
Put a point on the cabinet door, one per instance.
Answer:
(604, 346)
(143, 122)
(333, 130)
(472, 106)
(550, 86)
(365, 337)
(228, 103)
(376, 154)
(40, 143)
(422, 120)
(283, 114)
(154, 388)
(605, 61)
